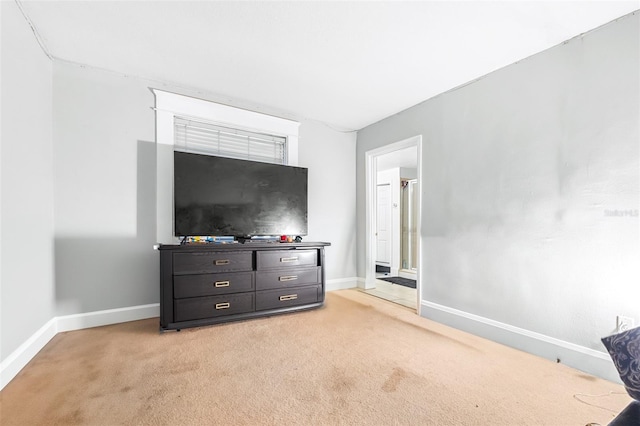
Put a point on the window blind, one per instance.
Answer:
(207, 138)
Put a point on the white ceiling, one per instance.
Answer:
(348, 64)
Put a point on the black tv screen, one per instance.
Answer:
(217, 196)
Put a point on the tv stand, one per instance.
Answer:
(204, 284)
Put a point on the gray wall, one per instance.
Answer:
(105, 171)
(26, 225)
(330, 156)
(523, 171)
(103, 129)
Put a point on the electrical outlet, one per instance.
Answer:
(624, 323)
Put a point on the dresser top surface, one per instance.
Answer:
(242, 246)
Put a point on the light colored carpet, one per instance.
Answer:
(358, 360)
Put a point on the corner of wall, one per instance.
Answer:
(19, 358)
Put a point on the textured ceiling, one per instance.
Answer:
(347, 64)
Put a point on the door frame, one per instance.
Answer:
(371, 172)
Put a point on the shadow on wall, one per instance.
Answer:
(93, 274)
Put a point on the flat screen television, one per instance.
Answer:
(218, 196)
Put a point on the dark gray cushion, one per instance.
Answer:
(630, 416)
(624, 349)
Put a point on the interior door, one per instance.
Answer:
(383, 225)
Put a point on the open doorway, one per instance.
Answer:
(393, 222)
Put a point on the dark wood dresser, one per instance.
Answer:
(203, 284)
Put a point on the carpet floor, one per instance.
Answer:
(357, 361)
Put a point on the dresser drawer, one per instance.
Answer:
(212, 284)
(273, 299)
(273, 259)
(287, 278)
(198, 263)
(213, 306)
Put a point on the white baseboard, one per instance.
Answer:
(107, 317)
(341, 284)
(16, 361)
(11, 366)
(579, 357)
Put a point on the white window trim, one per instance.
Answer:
(169, 105)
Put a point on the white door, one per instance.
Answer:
(383, 225)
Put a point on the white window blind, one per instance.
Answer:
(207, 138)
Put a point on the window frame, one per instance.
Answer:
(169, 105)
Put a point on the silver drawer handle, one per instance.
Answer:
(288, 259)
(222, 283)
(288, 278)
(288, 297)
(225, 305)
(221, 262)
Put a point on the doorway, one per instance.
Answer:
(393, 212)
